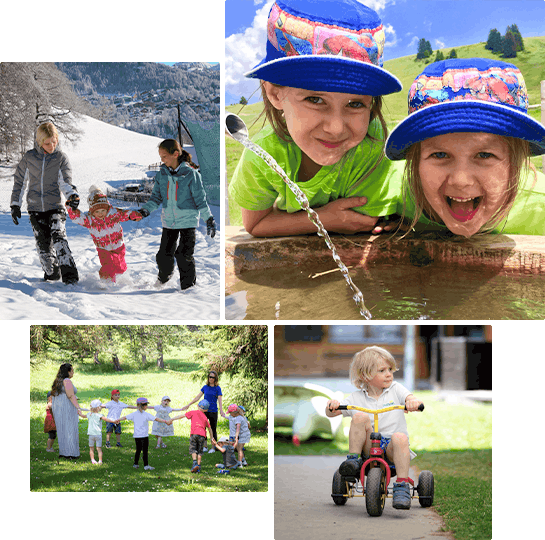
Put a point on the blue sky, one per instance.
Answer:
(444, 23)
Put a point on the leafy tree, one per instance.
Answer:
(494, 41)
(243, 101)
(509, 45)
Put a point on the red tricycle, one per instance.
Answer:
(378, 470)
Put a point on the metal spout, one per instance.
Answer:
(235, 127)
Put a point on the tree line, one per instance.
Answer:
(237, 351)
(507, 45)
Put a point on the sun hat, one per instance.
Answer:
(204, 404)
(166, 397)
(95, 403)
(327, 46)
(142, 400)
(232, 408)
(97, 200)
(467, 95)
(224, 439)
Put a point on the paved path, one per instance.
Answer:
(304, 509)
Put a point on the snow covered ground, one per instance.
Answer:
(106, 156)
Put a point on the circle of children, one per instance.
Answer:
(232, 446)
(458, 162)
(45, 175)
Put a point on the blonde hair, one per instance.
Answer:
(46, 131)
(364, 365)
(95, 409)
(519, 154)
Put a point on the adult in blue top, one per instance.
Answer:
(212, 393)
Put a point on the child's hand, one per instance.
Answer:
(135, 216)
(338, 216)
(211, 227)
(332, 405)
(412, 404)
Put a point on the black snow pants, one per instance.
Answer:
(52, 245)
(171, 250)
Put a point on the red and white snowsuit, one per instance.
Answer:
(107, 235)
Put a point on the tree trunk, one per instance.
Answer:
(160, 359)
(117, 365)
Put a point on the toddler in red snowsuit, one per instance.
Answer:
(104, 224)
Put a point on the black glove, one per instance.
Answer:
(73, 201)
(15, 214)
(211, 227)
(143, 212)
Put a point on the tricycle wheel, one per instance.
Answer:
(375, 491)
(338, 489)
(425, 488)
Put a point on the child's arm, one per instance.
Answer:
(211, 435)
(108, 420)
(179, 417)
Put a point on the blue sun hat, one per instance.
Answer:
(467, 95)
(204, 404)
(326, 46)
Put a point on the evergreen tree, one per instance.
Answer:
(494, 42)
(509, 46)
(439, 56)
(453, 54)
(424, 49)
(517, 35)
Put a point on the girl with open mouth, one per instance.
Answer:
(467, 141)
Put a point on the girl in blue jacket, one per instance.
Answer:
(178, 187)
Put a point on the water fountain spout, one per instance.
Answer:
(235, 127)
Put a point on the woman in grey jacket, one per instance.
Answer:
(44, 173)
(178, 188)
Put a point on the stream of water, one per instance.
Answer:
(313, 216)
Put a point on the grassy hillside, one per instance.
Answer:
(531, 63)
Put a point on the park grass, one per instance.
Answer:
(454, 441)
(531, 63)
(116, 474)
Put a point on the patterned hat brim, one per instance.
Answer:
(464, 117)
(324, 73)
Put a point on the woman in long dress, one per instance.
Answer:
(66, 411)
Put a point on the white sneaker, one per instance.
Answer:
(148, 468)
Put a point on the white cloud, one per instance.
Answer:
(245, 50)
(391, 37)
(439, 44)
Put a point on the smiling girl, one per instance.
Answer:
(322, 82)
(467, 141)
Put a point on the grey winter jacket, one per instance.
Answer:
(44, 176)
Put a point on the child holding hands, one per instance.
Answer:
(371, 371)
(178, 188)
(141, 420)
(94, 429)
(104, 224)
(197, 438)
(163, 430)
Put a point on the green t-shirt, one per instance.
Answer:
(527, 215)
(363, 171)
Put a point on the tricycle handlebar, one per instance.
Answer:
(376, 411)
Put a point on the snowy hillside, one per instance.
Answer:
(107, 156)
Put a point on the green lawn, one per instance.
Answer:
(172, 464)
(454, 441)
